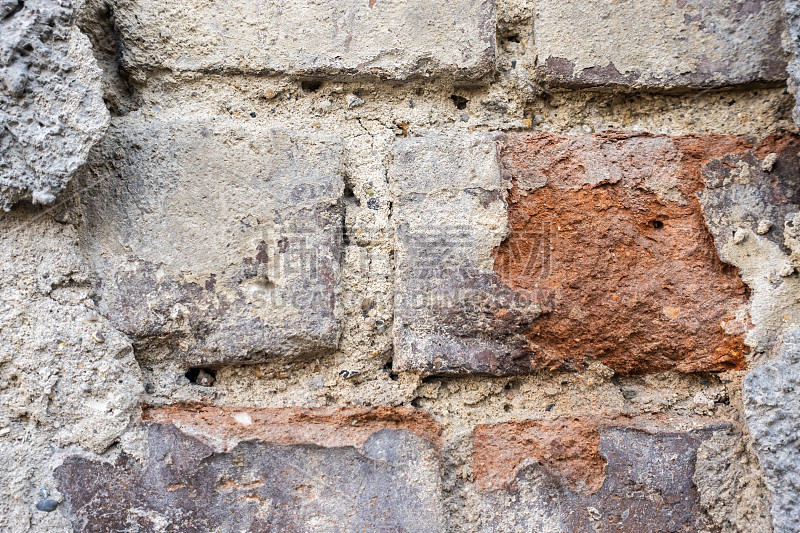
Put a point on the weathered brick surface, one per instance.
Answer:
(686, 43)
(218, 242)
(630, 274)
(582, 476)
(305, 214)
(385, 478)
(567, 449)
(328, 427)
(340, 37)
(608, 255)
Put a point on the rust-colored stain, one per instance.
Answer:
(326, 427)
(607, 232)
(372, 3)
(568, 449)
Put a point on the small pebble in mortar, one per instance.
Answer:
(47, 506)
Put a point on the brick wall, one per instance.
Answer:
(338, 266)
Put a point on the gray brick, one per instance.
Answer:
(337, 37)
(651, 43)
(217, 241)
(451, 312)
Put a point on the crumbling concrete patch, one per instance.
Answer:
(731, 485)
(51, 106)
(772, 407)
(67, 376)
(747, 196)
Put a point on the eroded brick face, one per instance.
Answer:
(608, 254)
(567, 449)
(583, 475)
(375, 479)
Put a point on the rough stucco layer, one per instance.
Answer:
(640, 478)
(215, 241)
(342, 37)
(772, 408)
(567, 249)
(390, 483)
(51, 106)
(51, 366)
(656, 43)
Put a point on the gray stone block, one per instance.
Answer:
(452, 314)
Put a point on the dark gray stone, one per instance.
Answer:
(47, 506)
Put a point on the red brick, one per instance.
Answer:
(328, 427)
(567, 449)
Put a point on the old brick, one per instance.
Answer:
(451, 311)
(328, 427)
(629, 274)
(339, 37)
(281, 478)
(688, 43)
(607, 253)
(639, 475)
(567, 449)
(217, 242)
